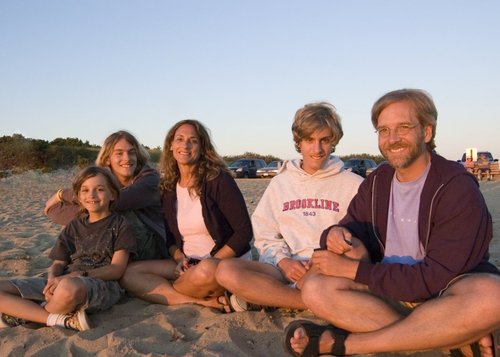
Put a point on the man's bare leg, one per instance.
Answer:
(258, 283)
(461, 316)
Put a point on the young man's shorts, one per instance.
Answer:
(101, 295)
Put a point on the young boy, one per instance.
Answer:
(89, 256)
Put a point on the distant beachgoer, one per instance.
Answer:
(425, 223)
(139, 198)
(206, 220)
(469, 165)
(483, 166)
(88, 258)
(308, 195)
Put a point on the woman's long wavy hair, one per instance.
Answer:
(208, 167)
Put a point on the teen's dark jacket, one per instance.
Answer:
(142, 196)
(224, 212)
(455, 229)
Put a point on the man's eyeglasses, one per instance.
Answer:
(400, 130)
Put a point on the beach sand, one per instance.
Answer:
(134, 327)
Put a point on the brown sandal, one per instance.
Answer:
(314, 332)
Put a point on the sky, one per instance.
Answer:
(85, 69)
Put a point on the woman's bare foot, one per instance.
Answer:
(216, 302)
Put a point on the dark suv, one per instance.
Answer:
(246, 167)
(482, 153)
(359, 166)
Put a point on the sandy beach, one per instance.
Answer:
(134, 327)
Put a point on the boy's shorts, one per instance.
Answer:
(101, 295)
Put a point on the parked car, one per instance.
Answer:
(246, 167)
(484, 167)
(481, 153)
(371, 169)
(270, 170)
(359, 165)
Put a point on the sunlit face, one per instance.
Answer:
(401, 150)
(316, 150)
(123, 161)
(95, 196)
(186, 145)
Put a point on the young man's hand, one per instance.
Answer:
(293, 269)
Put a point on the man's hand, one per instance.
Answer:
(293, 269)
(339, 240)
(333, 264)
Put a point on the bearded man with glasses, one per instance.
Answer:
(425, 224)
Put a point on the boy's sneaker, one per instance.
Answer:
(237, 304)
(10, 321)
(77, 320)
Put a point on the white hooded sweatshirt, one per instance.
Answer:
(296, 207)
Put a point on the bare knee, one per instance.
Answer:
(318, 287)
(69, 294)
(489, 283)
(312, 289)
(476, 282)
(227, 272)
(484, 288)
(204, 272)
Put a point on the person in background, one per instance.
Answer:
(483, 168)
(469, 165)
(139, 198)
(206, 221)
(88, 258)
(425, 223)
(308, 195)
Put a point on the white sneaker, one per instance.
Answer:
(237, 304)
(77, 320)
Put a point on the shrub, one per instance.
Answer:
(250, 155)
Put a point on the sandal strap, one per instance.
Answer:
(312, 348)
(339, 336)
(314, 332)
(457, 352)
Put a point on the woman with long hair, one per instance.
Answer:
(206, 221)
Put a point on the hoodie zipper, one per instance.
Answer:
(429, 221)
(373, 216)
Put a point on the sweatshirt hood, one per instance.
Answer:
(331, 167)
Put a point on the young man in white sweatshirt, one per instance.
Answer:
(308, 195)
